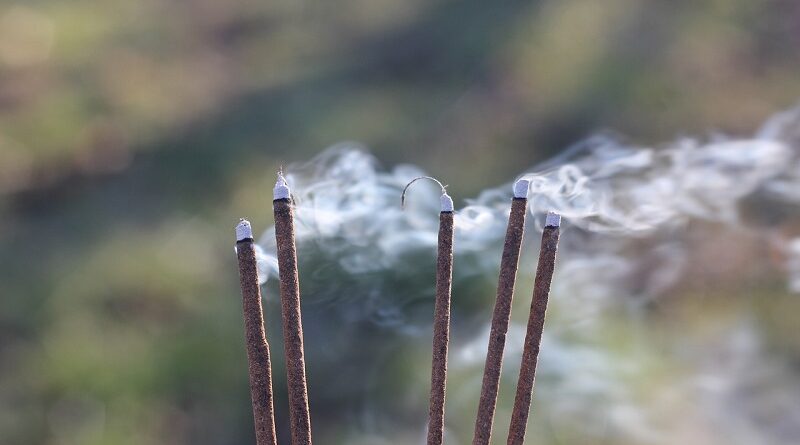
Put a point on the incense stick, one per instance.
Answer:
(533, 338)
(501, 315)
(299, 417)
(441, 315)
(260, 368)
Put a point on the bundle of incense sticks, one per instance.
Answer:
(300, 420)
(257, 346)
(502, 314)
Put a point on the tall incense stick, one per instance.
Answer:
(533, 338)
(441, 316)
(260, 368)
(299, 417)
(501, 315)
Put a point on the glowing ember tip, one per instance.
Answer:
(281, 190)
(553, 220)
(447, 203)
(521, 188)
(243, 230)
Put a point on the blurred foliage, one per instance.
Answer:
(133, 134)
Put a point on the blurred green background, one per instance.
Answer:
(134, 134)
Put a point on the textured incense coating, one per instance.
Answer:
(257, 346)
(299, 417)
(533, 338)
(441, 327)
(500, 319)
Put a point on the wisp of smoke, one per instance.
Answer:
(366, 268)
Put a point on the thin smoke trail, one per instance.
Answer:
(630, 214)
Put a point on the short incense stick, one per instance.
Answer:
(501, 315)
(533, 338)
(441, 316)
(299, 417)
(257, 346)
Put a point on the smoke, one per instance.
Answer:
(640, 225)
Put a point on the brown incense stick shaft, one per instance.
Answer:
(533, 338)
(299, 417)
(441, 329)
(500, 319)
(257, 346)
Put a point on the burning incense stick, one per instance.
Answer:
(502, 313)
(533, 338)
(257, 346)
(299, 416)
(441, 316)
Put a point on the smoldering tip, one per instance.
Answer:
(243, 230)
(281, 190)
(553, 219)
(521, 188)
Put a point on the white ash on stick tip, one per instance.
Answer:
(447, 202)
(553, 219)
(521, 188)
(243, 230)
(281, 190)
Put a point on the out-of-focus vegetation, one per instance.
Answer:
(134, 133)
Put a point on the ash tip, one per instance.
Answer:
(281, 190)
(447, 202)
(521, 188)
(243, 230)
(553, 219)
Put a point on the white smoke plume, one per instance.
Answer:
(635, 220)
